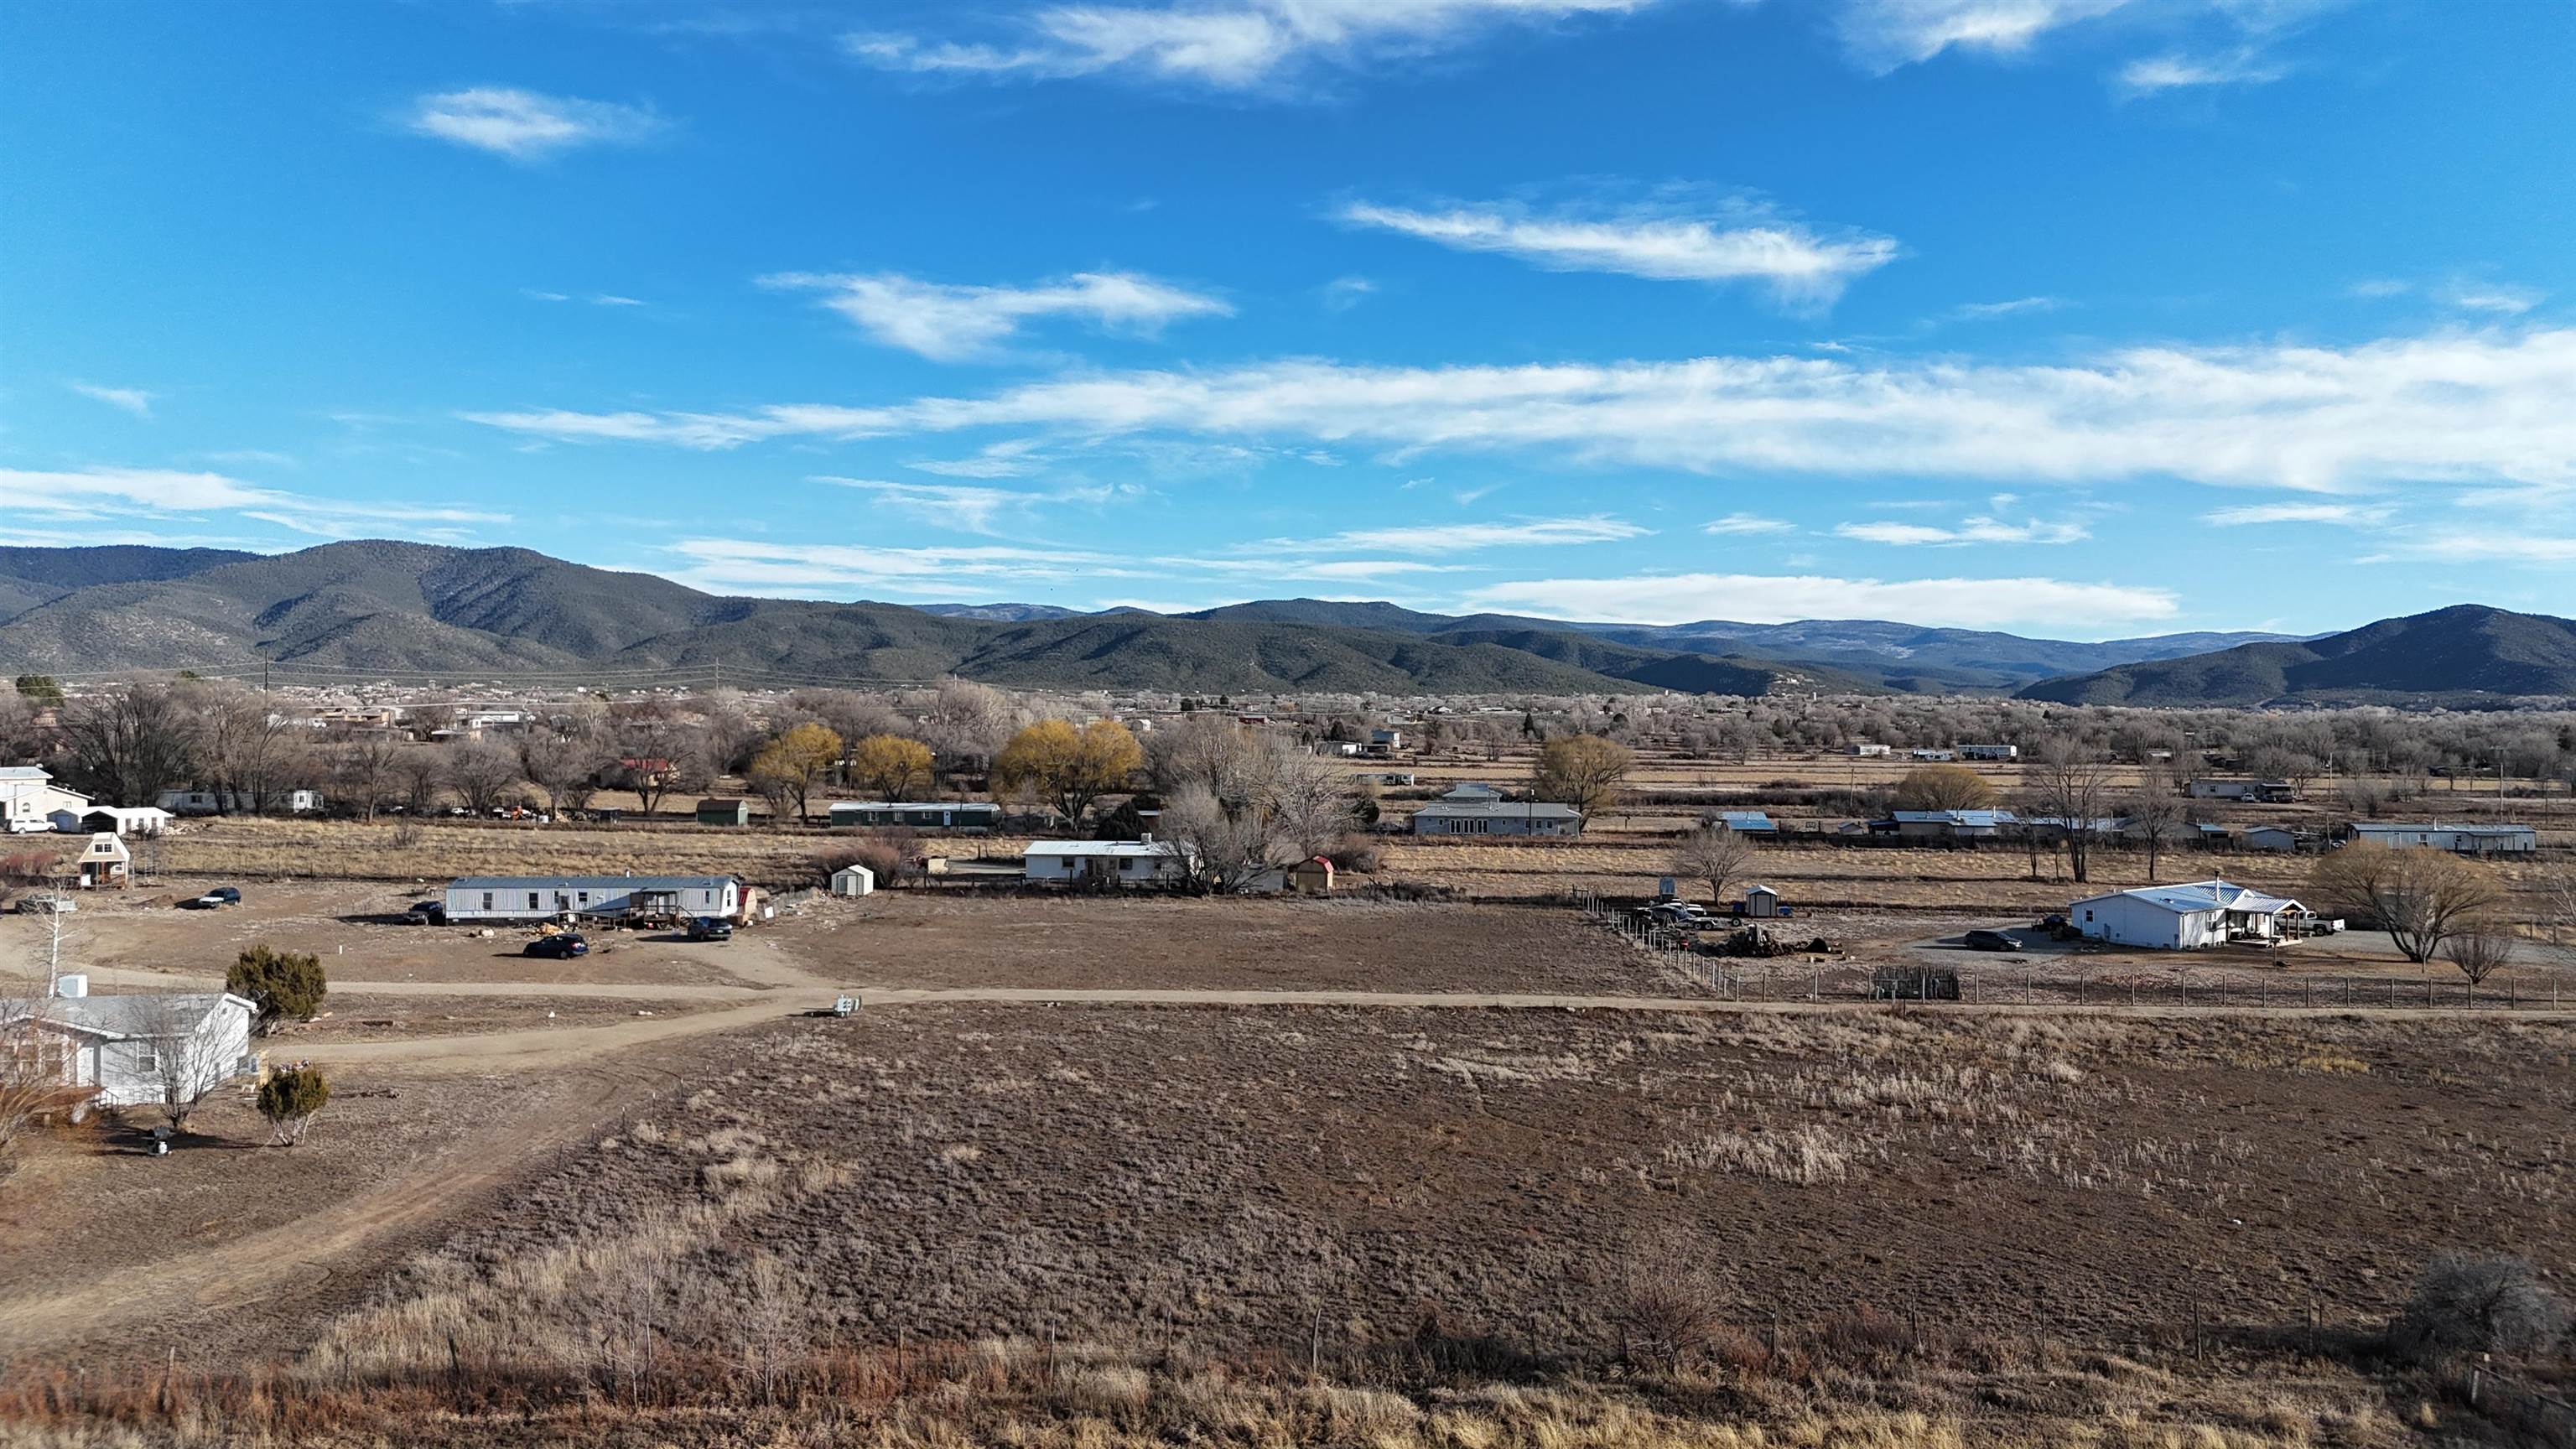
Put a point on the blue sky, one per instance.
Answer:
(2076, 317)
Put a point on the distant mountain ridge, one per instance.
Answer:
(456, 612)
(2468, 652)
(426, 608)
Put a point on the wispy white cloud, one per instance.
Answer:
(2307, 512)
(1798, 265)
(2375, 287)
(108, 493)
(1966, 531)
(2479, 546)
(1883, 35)
(1230, 45)
(761, 566)
(1435, 538)
(975, 508)
(2500, 298)
(610, 299)
(1743, 523)
(1341, 294)
(1989, 311)
(1009, 458)
(2479, 407)
(527, 126)
(125, 399)
(1778, 599)
(2150, 75)
(953, 324)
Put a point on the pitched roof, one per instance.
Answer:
(589, 882)
(149, 1013)
(1973, 819)
(2206, 895)
(1498, 809)
(1103, 847)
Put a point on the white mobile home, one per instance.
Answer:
(2187, 917)
(917, 814)
(1104, 862)
(542, 897)
(2457, 839)
(113, 820)
(2275, 792)
(135, 1049)
(1497, 817)
(1990, 752)
(241, 802)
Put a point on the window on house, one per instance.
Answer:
(532, 900)
(487, 900)
(147, 1056)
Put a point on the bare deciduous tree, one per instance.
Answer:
(2479, 952)
(2155, 815)
(480, 774)
(363, 768)
(130, 745)
(2419, 897)
(2071, 783)
(1715, 855)
(178, 1053)
(774, 1309)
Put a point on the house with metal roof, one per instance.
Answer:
(138, 1048)
(1746, 822)
(1497, 817)
(544, 897)
(917, 814)
(2188, 917)
(1949, 825)
(1106, 862)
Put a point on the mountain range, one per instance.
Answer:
(375, 605)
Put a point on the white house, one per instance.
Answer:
(1865, 749)
(2272, 837)
(113, 820)
(2457, 839)
(29, 799)
(1950, 824)
(854, 880)
(2186, 917)
(135, 1049)
(1122, 862)
(240, 802)
(1990, 752)
(540, 897)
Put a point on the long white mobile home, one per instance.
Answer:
(542, 897)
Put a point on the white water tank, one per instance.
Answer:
(72, 985)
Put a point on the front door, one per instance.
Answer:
(85, 1065)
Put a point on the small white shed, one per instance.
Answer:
(1761, 903)
(854, 880)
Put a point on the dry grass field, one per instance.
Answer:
(1113, 1171)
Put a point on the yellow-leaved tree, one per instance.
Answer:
(798, 760)
(1068, 768)
(894, 767)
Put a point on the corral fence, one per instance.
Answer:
(1992, 980)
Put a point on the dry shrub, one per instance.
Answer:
(2467, 1304)
(892, 856)
(1357, 855)
(1801, 1157)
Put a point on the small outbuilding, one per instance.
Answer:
(2272, 837)
(105, 863)
(1761, 903)
(854, 880)
(724, 812)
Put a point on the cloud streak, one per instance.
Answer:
(957, 324)
(1798, 266)
(2483, 408)
(527, 126)
(1966, 531)
(118, 493)
(1225, 45)
(132, 400)
(1779, 599)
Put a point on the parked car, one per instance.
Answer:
(1991, 941)
(47, 905)
(708, 928)
(426, 913)
(213, 900)
(562, 946)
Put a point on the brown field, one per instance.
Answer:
(1109, 1171)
